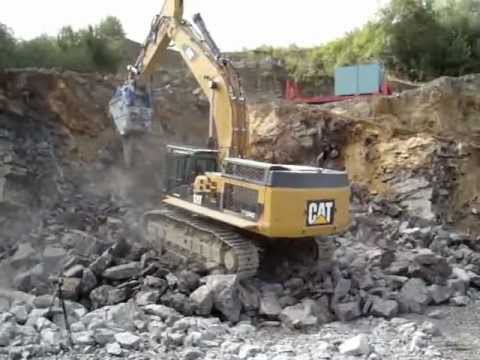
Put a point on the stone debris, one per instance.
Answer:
(84, 338)
(127, 340)
(347, 311)
(225, 295)
(203, 299)
(24, 256)
(269, 305)
(122, 272)
(359, 345)
(385, 308)
(440, 294)
(414, 296)
(114, 349)
(298, 317)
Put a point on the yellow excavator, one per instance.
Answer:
(219, 206)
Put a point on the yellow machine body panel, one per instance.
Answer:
(294, 213)
(297, 202)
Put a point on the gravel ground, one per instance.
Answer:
(461, 332)
(389, 340)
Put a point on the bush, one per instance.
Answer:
(7, 46)
(418, 39)
(94, 49)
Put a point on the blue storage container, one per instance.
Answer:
(358, 79)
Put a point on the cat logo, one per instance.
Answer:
(320, 213)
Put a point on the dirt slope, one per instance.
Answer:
(421, 147)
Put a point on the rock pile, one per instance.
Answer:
(31, 330)
(385, 266)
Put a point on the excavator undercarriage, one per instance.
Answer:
(196, 239)
(232, 227)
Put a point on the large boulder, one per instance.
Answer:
(147, 297)
(122, 272)
(341, 290)
(108, 295)
(384, 308)
(440, 294)
(269, 305)
(357, 346)
(414, 296)
(188, 281)
(347, 311)
(179, 302)
(430, 267)
(203, 300)
(249, 297)
(71, 288)
(101, 263)
(35, 278)
(25, 255)
(128, 340)
(89, 281)
(306, 314)
(164, 312)
(297, 317)
(225, 292)
(53, 257)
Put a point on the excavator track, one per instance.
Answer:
(201, 239)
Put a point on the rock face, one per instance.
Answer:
(287, 133)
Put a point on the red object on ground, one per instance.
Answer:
(293, 92)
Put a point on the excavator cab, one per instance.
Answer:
(183, 165)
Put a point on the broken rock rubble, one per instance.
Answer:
(118, 330)
(406, 274)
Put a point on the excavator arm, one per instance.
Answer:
(213, 72)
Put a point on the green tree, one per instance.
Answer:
(67, 38)
(39, 52)
(7, 46)
(103, 56)
(414, 36)
(461, 21)
(111, 27)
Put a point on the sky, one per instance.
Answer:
(234, 24)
